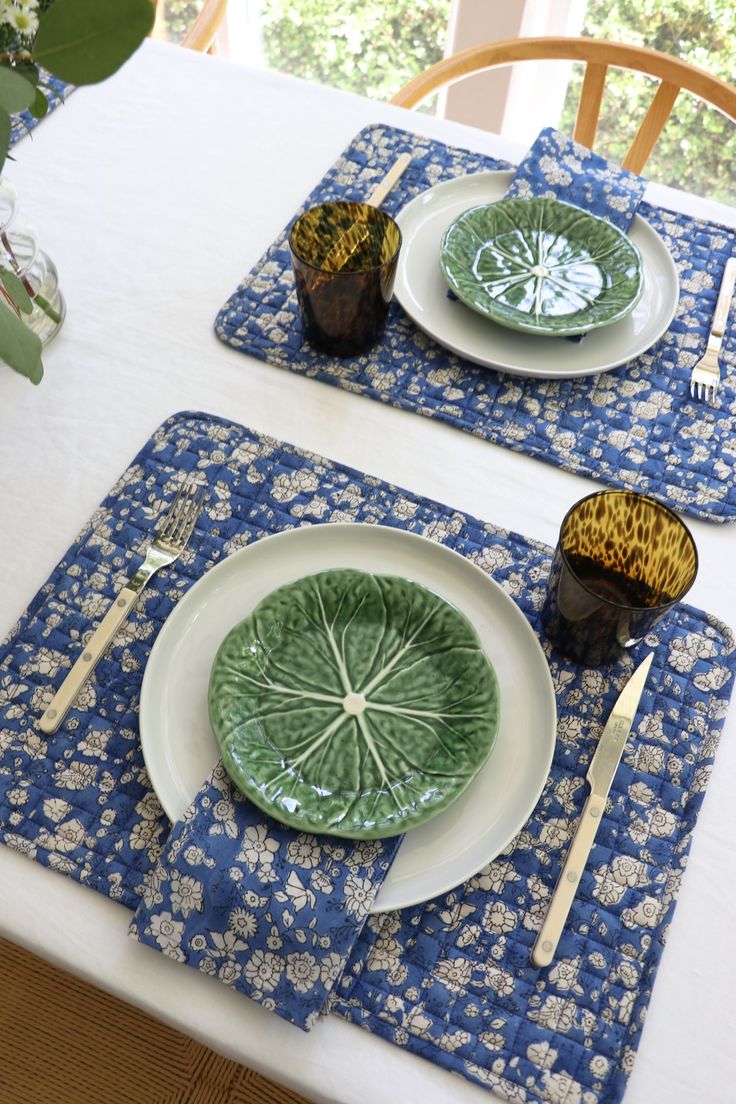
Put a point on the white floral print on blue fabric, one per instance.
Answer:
(449, 980)
(268, 910)
(558, 167)
(636, 426)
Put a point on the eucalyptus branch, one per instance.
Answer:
(78, 42)
(37, 298)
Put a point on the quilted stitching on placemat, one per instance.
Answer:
(635, 427)
(449, 979)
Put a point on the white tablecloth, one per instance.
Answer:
(155, 193)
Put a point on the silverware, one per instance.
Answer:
(603, 767)
(706, 375)
(168, 543)
(397, 170)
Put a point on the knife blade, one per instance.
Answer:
(601, 772)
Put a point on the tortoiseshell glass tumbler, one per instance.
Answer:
(622, 561)
(344, 258)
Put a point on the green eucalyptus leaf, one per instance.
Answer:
(85, 41)
(28, 70)
(40, 105)
(16, 93)
(5, 131)
(20, 348)
(15, 289)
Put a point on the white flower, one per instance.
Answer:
(302, 970)
(321, 882)
(223, 810)
(542, 1055)
(330, 969)
(257, 846)
(76, 776)
(646, 914)
(263, 970)
(359, 893)
(599, 1065)
(243, 922)
(25, 22)
(556, 1014)
(274, 942)
(230, 971)
(641, 793)
(149, 807)
(365, 853)
(498, 918)
(69, 835)
(629, 974)
(628, 872)
(564, 974)
(384, 953)
(663, 823)
(142, 835)
(166, 931)
(454, 973)
(501, 981)
(45, 662)
(304, 851)
(561, 1088)
(193, 856)
(555, 832)
(186, 893)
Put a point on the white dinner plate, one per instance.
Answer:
(180, 750)
(422, 291)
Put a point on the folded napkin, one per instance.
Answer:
(558, 167)
(264, 908)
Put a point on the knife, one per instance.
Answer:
(603, 767)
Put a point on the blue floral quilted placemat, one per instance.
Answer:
(451, 979)
(55, 90)
(633, 427)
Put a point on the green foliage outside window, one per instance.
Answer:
(178, 16)
(697, 148)
(368, 46)
(373, 47)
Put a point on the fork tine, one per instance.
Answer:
(163, 528)
(172, 517)
(187, 517)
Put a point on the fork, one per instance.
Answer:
(706, 376)
(168, 543)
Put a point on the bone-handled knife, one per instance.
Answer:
(603, 767)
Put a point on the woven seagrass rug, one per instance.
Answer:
(64, 1042)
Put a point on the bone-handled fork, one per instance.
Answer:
(706, 375)
(168, 543)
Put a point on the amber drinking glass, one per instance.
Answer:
(622, 561)
(344, 258)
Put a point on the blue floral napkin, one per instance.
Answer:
(269, 910)
(558, 167)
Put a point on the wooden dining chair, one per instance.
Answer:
(597, 56)
(201, 35)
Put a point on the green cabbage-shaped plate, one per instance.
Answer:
(542, 266)
(353, 704)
